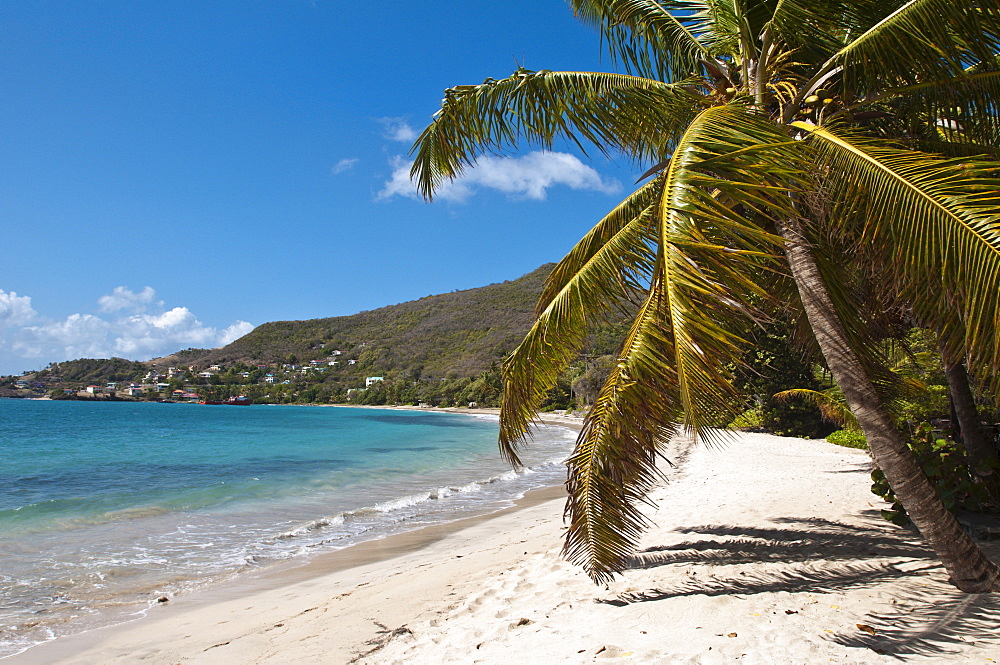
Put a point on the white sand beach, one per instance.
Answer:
(769, 550)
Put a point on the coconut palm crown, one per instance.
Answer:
(779, 132)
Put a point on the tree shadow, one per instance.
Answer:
(864, 467)
(823, 556)
(931, 621)
(822, 539)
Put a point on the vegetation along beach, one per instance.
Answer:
(752, 415)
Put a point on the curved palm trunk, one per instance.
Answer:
(977, 446)
(969, 568)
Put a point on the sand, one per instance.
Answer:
(769, 550)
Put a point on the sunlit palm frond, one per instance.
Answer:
(941, 218)
(638, 116)
(674, 367)
(831, 404)
(614, 464)
(647, 37)
(921, 40)
(716, 255)
(608, 265)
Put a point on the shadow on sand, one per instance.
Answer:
(820, 556)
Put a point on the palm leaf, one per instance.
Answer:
(941, 217)
(720, 185)
(637, 116)
(819, 28)
(831, 405)
(614, 464)
(674, 366)
(649, 37)
(609, 264)
(960, 110)
(921, 40)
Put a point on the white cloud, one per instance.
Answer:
(343, 165)
(147, 335)
(138, 335)
(527, 177)
(15, 310)
(124, 299)
(78, 336)
(234, 332)
(399, 183)
(397, 129)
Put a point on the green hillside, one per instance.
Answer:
(443, 350)
(91, 370)
(453, 334)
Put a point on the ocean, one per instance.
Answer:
(105, 507)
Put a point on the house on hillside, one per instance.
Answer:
(94, 390)
(372, 380)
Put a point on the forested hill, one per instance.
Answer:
(452, 334)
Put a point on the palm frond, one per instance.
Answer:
(611, 263)
(831, 404)
(921, 40)
(960, 110)
(713, 262)
(941, 219)
(818, 28)
(637, 116)
(614, 464)
(728, 175)
(651, 38)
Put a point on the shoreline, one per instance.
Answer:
(373, 551)
(275, 577)
(762, 550)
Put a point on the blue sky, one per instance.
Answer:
(172, 174)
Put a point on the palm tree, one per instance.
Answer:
(782, 131)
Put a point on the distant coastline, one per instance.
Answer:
(572, 420)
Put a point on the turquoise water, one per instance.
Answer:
(106, 506)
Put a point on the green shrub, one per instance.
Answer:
(749, 419)
(848, 439)
(944, 463)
